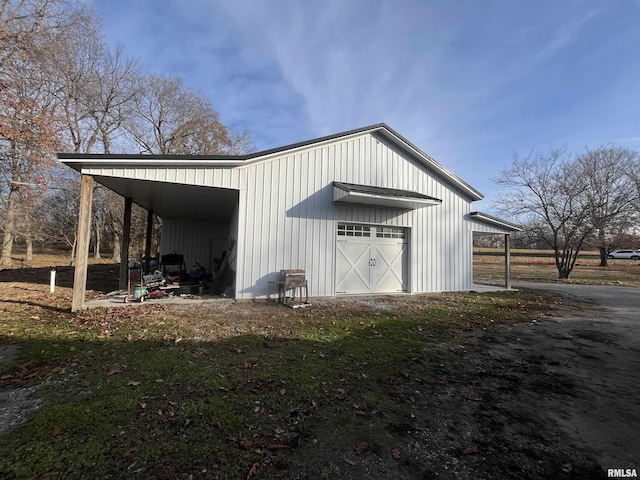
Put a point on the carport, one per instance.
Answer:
(484, 224)
(172, 201)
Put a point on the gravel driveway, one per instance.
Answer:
(600, 346)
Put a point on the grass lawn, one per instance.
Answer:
(230, 390)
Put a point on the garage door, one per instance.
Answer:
(371, 259)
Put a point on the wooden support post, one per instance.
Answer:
(507, 261)
(124, 251)
(147, 243)
(82, 247)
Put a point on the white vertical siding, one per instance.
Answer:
(291, 221)
(199, 242)
(207, 177)
(285, 217)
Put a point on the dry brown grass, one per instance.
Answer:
(489, 268)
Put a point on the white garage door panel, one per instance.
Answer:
(371, 259)
(390, 267)
(352, 267)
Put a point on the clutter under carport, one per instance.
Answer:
(172, 278)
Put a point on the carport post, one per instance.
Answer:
(82, 247)
(124, 251)
(507, 261)
(147, 242)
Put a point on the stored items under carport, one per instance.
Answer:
(154, 285)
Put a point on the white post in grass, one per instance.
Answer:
(52, 281)
(507, 261)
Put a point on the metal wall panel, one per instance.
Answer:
(481, 228)
(212, 177)
(198, 241)
(290, 218)
(286, 217)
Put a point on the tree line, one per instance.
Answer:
(571, 202)
(62, 88)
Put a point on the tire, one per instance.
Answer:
(610, 257)
(635, 257)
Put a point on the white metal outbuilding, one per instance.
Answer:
(363, 211)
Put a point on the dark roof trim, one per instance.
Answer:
(353, 194)
(494, 221)
(79, 160)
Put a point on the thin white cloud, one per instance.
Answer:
(565, 34)
(355, 63)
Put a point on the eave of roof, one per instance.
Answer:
(79, 161)
(495, 221)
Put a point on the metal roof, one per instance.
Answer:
(80, 160)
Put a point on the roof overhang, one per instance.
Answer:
(165, 199)
(78, 161)
(494, 222)
(178, 201)
(353, 194)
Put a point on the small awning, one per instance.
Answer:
(489, 224)
(352, 194)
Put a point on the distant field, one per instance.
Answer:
(538, 265)
(515, 252)
(48, 258)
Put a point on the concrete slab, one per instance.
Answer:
(119, 299)
(481, 288)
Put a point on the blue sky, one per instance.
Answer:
(469, 82)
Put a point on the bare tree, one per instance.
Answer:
(547, 192)
(58, 212)
(95, 86)
(632, 171)
(609, 193)
(28, 141)
(95, 89)
(173, 119)
(29, 130)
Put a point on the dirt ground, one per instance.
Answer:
(553, 398)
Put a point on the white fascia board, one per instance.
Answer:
(496, 222)
(79, 163)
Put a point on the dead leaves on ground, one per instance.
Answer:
(471, 450)
(267, 442)
(27, 374)
(362, 447)
(253, 471)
